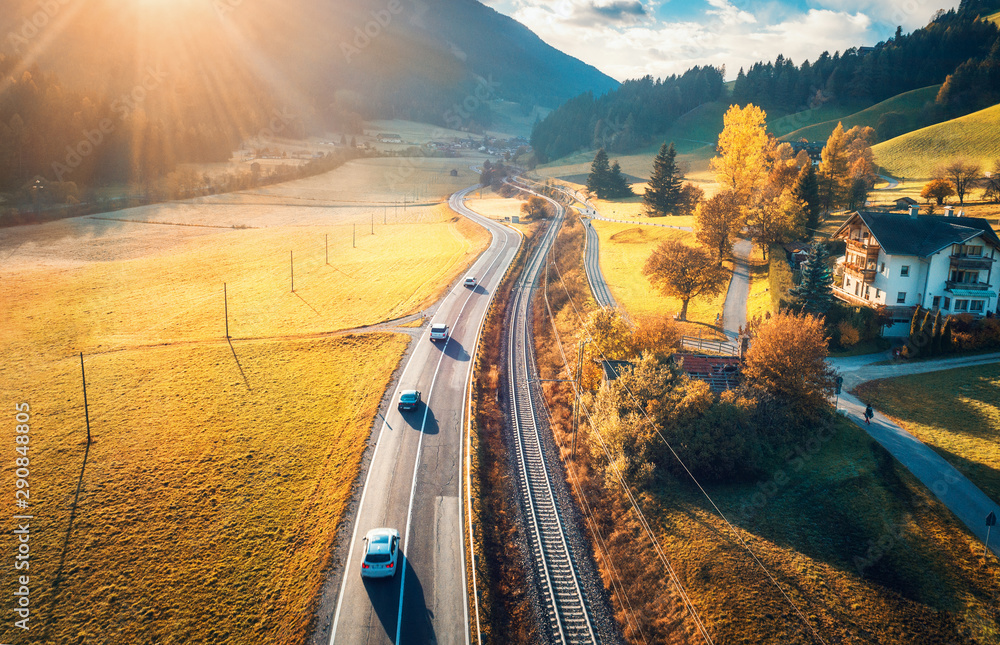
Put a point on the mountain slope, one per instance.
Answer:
(975, 136)
(908, 105)
(413, 59)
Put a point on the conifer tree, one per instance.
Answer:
(915, 323)
(600, 172)
(936, 339)
(617, 183)
(815, 294)
(807, 191)
(946, 335)
(664, 188)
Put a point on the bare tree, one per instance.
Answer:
(964, 176)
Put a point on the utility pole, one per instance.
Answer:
(291, 260)
(991, 521)
(225, 300)
(576, 400)
(86, 411)
(327, 236)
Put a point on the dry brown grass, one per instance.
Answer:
(218, 477)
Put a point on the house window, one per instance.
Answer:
(936, 302)
(882, 270)
(947, 303)
(968, 277)
(900, 297)
(857, 288)
(878, 294)
(961, 305)
(847, 281)
(904, 270)
(972, 251)
(976, 306)
(868, 292)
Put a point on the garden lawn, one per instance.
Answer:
(956, 412)
(624, 251)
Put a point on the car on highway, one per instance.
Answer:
(409, 399)
(381, 553)
(470, 281)
(439, 331)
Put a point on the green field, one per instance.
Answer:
(781, 126)
(915, 155)
(908, 103)
(956, 412)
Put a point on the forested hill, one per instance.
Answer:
(626, 118)
(188, 80)
(959, 48)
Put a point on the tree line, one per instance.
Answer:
(626, 118)
(91, 138)
(958, 48)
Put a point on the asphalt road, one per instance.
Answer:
(592, 264)
(734, 312)
(415, 483)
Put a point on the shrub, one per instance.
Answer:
(849, 335)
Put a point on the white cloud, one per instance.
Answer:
(625, 42)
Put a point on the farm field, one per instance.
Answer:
(624, 250)
(915, 155)
(956, 412)
(206, 508)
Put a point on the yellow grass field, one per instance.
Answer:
(208, 505)
(495, 206)
(209, 501)
(624, 250)
(975, 136)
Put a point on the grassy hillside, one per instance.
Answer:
(782, 126)
(908, 103)
(975, 136)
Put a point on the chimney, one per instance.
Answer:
(914, 210)
(949, 211)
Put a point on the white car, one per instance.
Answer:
(470, 281)
(381, 553)
(439, 331)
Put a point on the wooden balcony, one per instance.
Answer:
(971, 262)
(860, 273)
(868, 248)
(850, 298)
(967, 286)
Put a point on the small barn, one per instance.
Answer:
(904, 203)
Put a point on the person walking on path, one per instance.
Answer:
(869, 413)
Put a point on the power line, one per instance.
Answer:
(693, 478)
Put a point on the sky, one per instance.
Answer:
(632, 38)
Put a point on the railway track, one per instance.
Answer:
(567, 613)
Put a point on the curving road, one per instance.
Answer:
(415, 482)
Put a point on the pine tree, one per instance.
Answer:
(617, 183)
(946, 335)
(915, 323)
(664, 189)
(936, 339)
(600, 172)
(807, 191)
(815, 294)
(927, 334)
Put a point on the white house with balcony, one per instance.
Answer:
(901, 260)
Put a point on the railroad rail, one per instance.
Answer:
(563, 601)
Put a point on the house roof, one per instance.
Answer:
(907, 200)
(900, 234)
(720, 372)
